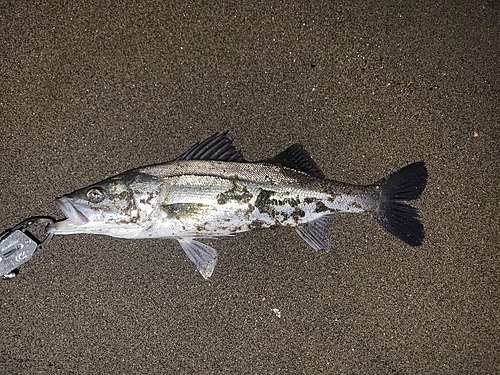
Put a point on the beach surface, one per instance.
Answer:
(90, 90)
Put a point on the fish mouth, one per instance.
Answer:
(72, 214)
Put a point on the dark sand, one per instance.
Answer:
(90, 91)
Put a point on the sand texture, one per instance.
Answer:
(91, 89)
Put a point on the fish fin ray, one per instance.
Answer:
(398, 218)
(315, 233)
(216, 147)
(203, 256)
(297, 158)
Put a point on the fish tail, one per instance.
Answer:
(397, 217)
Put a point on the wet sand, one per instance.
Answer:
(89, 91)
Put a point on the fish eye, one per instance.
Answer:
(95, 195)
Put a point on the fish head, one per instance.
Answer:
(108, 207)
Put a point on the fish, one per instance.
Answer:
(211, 191)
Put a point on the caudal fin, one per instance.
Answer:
(399, 218)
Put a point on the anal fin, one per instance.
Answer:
(203, 256)
(315, 233)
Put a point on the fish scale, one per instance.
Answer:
(211, 191)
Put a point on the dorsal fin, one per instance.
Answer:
(297, 157)
(216, 147)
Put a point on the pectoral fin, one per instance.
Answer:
(203, 256)
(315, 233)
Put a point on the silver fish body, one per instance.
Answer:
(211, 191)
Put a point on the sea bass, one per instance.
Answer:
(212, 191)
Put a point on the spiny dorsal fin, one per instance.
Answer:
(216, 147)
(297, 157)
